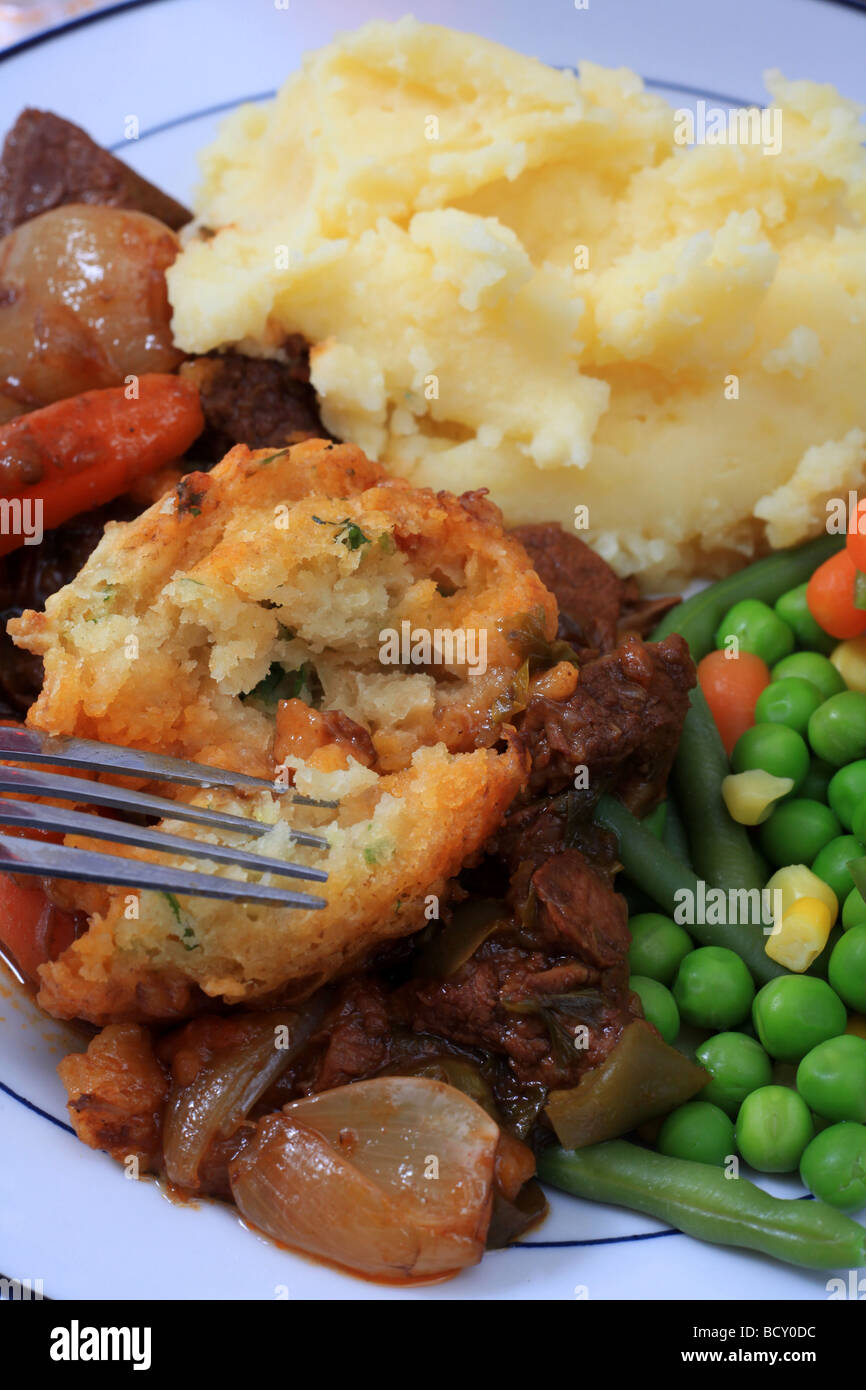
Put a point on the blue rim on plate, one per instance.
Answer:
(80, 21)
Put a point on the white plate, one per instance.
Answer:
(67, 1215)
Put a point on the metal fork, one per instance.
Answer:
(25, 856)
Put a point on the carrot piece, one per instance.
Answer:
(830, 597)
(32, 928)
(855, 541)
(81, 452)
(731, 686)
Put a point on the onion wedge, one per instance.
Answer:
(392, 1178)
(223, 1092)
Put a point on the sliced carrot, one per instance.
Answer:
(32, 928)
(855, 541)
(82, 452)
(731, 685)
(830, 597)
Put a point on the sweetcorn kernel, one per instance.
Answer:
(751, 796)
(797, 881)
(849, 658)
(802, 935)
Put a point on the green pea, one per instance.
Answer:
(658, 944)
(713, 988)
(793, 609)
(858, 824)
(847, 791)
(817, 781)
(832, 1078)
(737, 1064)
(797, 831)
(793, 1013)
(811, 666)
(773, 748)
(833, 1166)
(854, 910)
(658, 1004)
(791, 701)
(847, 968)
(837, 729)
(773, 1128)
(831, 863)
(758, 629)
(699, 1131)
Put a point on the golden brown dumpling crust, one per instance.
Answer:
(265, 586)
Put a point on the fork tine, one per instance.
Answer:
(24, 781)
(59, 861)
(29, 745)
(39, 817)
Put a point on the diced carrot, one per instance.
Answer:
(731, 686)
(81, 452)
(830, 597)
(32, 928)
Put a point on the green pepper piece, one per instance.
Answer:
(456, 941)
(640, 1078)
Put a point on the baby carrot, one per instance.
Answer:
(830, 597)
(81, 452)
(31, 927)
(731, 687)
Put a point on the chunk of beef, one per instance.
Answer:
(531, 834)
(524, 994)
(117, 1091)
(577, 911)
(255, 401)
(523, 1005)
(469, 1008)
(48, 162)
(589, 594)
(359, 1036)
(623, 723)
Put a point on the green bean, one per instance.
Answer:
(651, 866)
(655, 821)
(674, 837)
(698, 617)
(701, 1201)
(721, 850)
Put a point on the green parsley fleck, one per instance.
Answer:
(352, 535)
(280, 684)
(349, 532)
(378, 852)
(187, 936)
(173, 904)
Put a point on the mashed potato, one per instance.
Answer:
(517, 278)
(238, 622)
